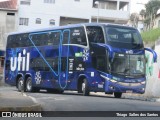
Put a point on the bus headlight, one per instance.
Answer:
(113, 80)
(144, 82)
(109, 79)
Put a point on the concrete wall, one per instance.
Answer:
(7, 25)
(153, 73)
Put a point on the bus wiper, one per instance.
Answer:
(126, 70)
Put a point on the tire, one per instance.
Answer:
(117, 94)
(80, 87)
(29, 87)
(20, 84)
(85, 89)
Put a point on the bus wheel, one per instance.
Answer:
(29, 87)
(20, 86)
(85, 88)
(117, 94)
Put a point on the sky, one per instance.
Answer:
(138, 7)
(134, 6)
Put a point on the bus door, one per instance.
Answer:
(98, 53)
(64, 59)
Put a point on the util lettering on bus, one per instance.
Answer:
(20, 61)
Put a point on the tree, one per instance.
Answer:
(151, 9)
(134, 18)
(143, 13)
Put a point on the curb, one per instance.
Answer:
(141, 98)
(36, 107)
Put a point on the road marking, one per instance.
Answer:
(33, 99)
(46, 98)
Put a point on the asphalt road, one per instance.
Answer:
(72, 101)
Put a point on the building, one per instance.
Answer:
(157, 21)
(21, 15)
(48, 13)
(8, 20)
(8, 23)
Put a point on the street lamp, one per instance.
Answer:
(97, 3)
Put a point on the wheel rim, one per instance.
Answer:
(83, 87)
(20, 84)
(29, 85)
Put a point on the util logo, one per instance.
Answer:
(21, 62)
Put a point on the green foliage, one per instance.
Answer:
(151, 35)
(152, 6)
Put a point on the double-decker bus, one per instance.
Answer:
(84, 57)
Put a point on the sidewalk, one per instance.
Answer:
(132, 96)
(142, 97)
(12, 100)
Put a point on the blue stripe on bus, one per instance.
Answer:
(40, 52)
(67, 60)
(60, 53)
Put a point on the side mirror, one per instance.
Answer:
(153, 52)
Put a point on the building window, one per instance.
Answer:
(11, 14)
(38, 21)
(49, 1)
(23, 21)
(25, 2)
(52, 22)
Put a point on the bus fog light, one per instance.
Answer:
(111, 87)
(143, 89)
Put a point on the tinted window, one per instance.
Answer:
(66, 37)
(99, 62)
(95, 34)
(78, 36)
(40, 39)
(20, 40)
(123, 35)
(40, 64)
(54, 38)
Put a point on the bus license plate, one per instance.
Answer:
(129, 91)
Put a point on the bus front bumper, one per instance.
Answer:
(123, 87)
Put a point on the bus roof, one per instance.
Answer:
(70, 26)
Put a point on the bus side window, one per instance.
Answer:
(14, 42)
(63, 64)
(26, 40)
(65, 37)
(54, 38)
(40, 39)
(101, 63)
(78, 36)
(39, 65)
(19, 41)
(54, 64)
(9, 41)
(44, 39)
(95, 34)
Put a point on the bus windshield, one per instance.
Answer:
(123, 37)
(128, 65)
